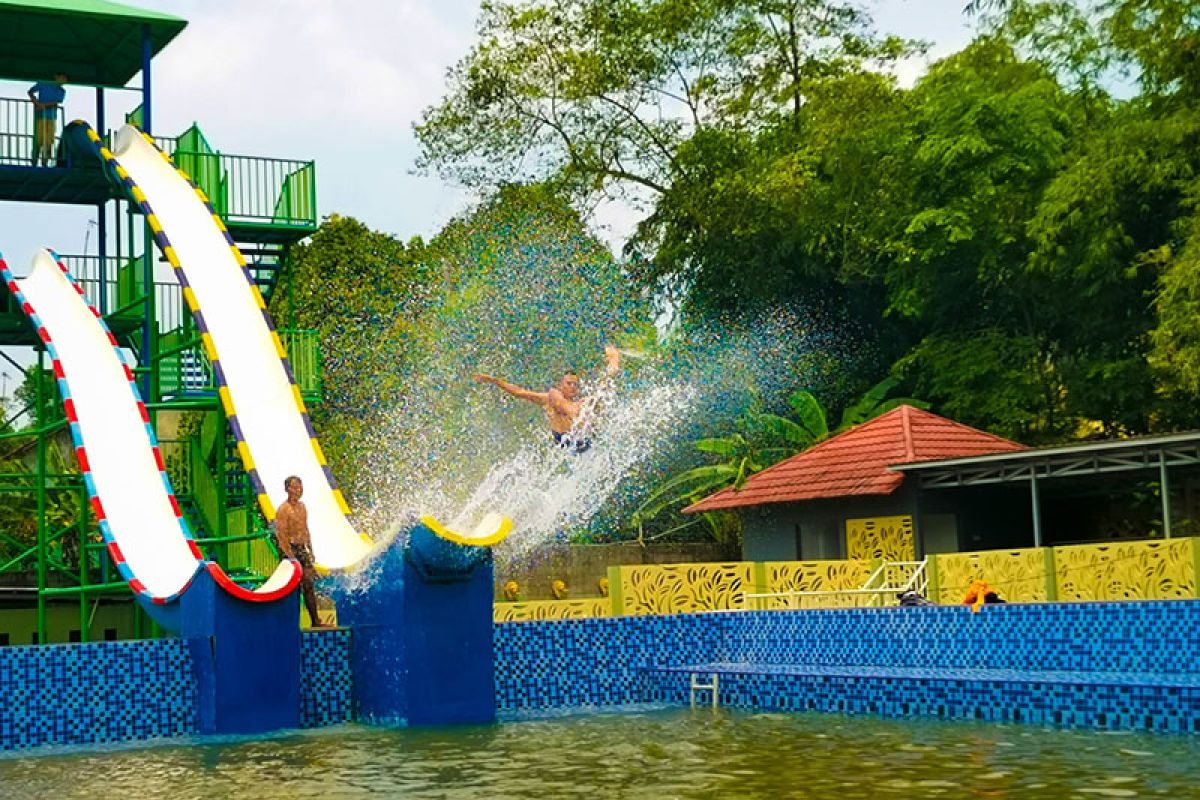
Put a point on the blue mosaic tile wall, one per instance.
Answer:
(1138, 636)
(122, 691)
(593, 661)
(1093, 657)
(101, 692)
(325, 681)
(1061, 704)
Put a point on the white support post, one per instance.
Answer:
(1164, 488)
(1037, 508)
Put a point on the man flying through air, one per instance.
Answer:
(566, 409)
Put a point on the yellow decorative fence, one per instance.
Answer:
(880, 538)
(552, 609)
(684, 588)
(1155, 570)
(812, 576)
(1143, 570)
(1018, 575)
(689, 588)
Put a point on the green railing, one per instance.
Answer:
(244, 190)
(194, 155)
(250, 549)
(251, 190)
(254, 190)
(122, 288)
(246, 546)
(184, 366)
(304, 352)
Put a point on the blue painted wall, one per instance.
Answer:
(598, 661)
(423, 640)
(595, 661)
(326, 686)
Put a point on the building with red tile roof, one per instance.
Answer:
(910, 483)
(842, 498)
(858, 461)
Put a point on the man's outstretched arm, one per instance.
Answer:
(612, 361)
(521, 393)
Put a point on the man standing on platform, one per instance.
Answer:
(294, 540)
(46, 97)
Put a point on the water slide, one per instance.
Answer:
(131, 495)
(255, 382)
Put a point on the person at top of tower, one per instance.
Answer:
(46, 97)
(566, 408)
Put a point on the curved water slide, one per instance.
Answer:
(255, 382)
(131, 495)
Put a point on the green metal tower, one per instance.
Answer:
(56, 582)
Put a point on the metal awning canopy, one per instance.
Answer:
(95, 42)
(1086, 458)
(1076, 460)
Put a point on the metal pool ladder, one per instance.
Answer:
(712, 686)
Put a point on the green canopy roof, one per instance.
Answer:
(95, 42)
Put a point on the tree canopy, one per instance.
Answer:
(1015, 235)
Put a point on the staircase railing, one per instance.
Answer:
(881, 588)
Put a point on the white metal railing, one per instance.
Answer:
(713, 686)
(889, 580)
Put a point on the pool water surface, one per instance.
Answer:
(638, 753)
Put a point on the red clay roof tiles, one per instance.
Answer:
(856, 461)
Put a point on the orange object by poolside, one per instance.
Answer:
(977, 594)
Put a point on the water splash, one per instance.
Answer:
(524, 293)
(549, 490)
(500, 456)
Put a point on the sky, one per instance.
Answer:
(341, 83)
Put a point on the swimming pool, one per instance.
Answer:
(635, 753)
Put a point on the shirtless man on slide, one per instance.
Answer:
(564, 405)
(294, 540)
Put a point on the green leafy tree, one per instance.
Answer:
(1176, 338)
(1112, 228)
(19, 505)
(360, 290)
(596, 93)
(26, 394)
(1027, 327)
(789, 213)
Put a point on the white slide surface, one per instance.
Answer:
(117, 446)
(114, 435)
(268, 413)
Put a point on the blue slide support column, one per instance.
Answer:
(422, 646)
(246, 658)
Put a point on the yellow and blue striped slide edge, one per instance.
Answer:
(495, 537)
(168, 251)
